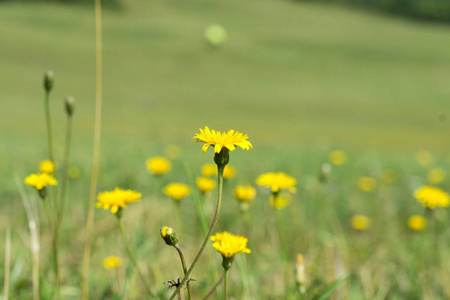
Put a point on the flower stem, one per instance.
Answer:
(211, 228)
(133, 258)
(49, 126)
(183, 263)
(213, 289)
(225, 284)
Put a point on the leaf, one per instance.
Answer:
(334, 286)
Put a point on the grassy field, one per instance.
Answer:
(300, 79)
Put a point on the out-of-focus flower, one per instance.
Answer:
(229, 172)
(117, 199)
(244, 193)
(209, 170)
(205, 184)
(431, 197)
(112, 262)
(173, 151)
(366, 184)
(424, 158)
(417, 223)
(360, 222)
(215, 35)
(47, 166)
(277, 181)
(389, 176)
(158, 165)
(436, 176)
(338, 157)
(40, 181)
(177, 191)
(74, 172)
(280, 201)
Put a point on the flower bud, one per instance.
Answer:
(169, 236)
(49, 80)
(325, 171)
(70, 105)
(223, 157)
(227, 262)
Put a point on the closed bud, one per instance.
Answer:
(325, 171)
(222, 158)
(49, 80)
(70, 105)
(169, 236)
(300, 273)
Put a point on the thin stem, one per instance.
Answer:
(96, 151)
(133, 257)
(211, 228)
(7, 264)
(213, 289)
(183, 263)
(49, 126)
(65, 170)
(225, 284)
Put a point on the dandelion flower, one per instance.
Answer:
(277, 181)
(244, 193)
(338, 157)
(158, 165)
(229, 172)
(47, 166)
(112, 262)
(220, 140)
(40, 181)
(360, 222)
(228, 245)
(280, 201)
(436, 176)
(424, 158)
(117, 199)
(177, 191)
(432, 197)
(366, 184)
(205, 184)
(209, 170)
(417, 223)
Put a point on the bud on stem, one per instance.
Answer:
(49, 80)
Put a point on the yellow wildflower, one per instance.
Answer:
(228, 245)
(47, 166)
(360, 222)
(366, 184)
(229, 172)
(112, 262)
(220, 140)
(417, 223)
(389, 176)
(117, 199)
(244, 193)
(436, 176)
(205, 184)
(177, 191)
(280, 201)
(424, 158)
(208, 170)
(158, 165)
(338, 157)
(277, 181)
(40, 181)
(432, 197)
(73, 172)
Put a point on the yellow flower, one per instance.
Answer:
(389, 176)
(117, 199)
(220, 140)
(417, 223)
(228, 245)
(177, 190)
(366, 184)
(338, 157)
(424, 158)
(112, 262)
(280, 201)
(244, 193)
(47, 166)
(436, 176)
(158, 165)
(277, 181)
(229, 172)
(360, 222)
(40, 181)
(205, 184)
(74, 172)
(432, 197)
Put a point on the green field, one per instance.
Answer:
(301, 79)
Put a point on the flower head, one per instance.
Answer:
(158, 165)
(117, 199)
(436, 176)
(74, 172)
(366, 184)
(220, 140)
(432, 197)
(424, 158)
(417, 223)
(360, 222)
(169, 236)
(47, 166)
(338, 157)
(280, 201)
(209, 170)
(40, 181)
(205, 184)
(177, 191)
(229, 172)
(112, 262)
(244, 193)
(228, 245)
(277, 181)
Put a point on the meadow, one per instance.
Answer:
(301, 79)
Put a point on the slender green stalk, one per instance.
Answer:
(225, 284)
(65, 171)
(183, 263)
(133, 257)
(7, 263)
(211, 228)
(96, 151)
(49, 126)
(213, 289)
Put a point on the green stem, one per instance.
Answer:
(211, 228)
(183, 263)
(213, 289)
(133, 258)
(225, 284)
(49, 126)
